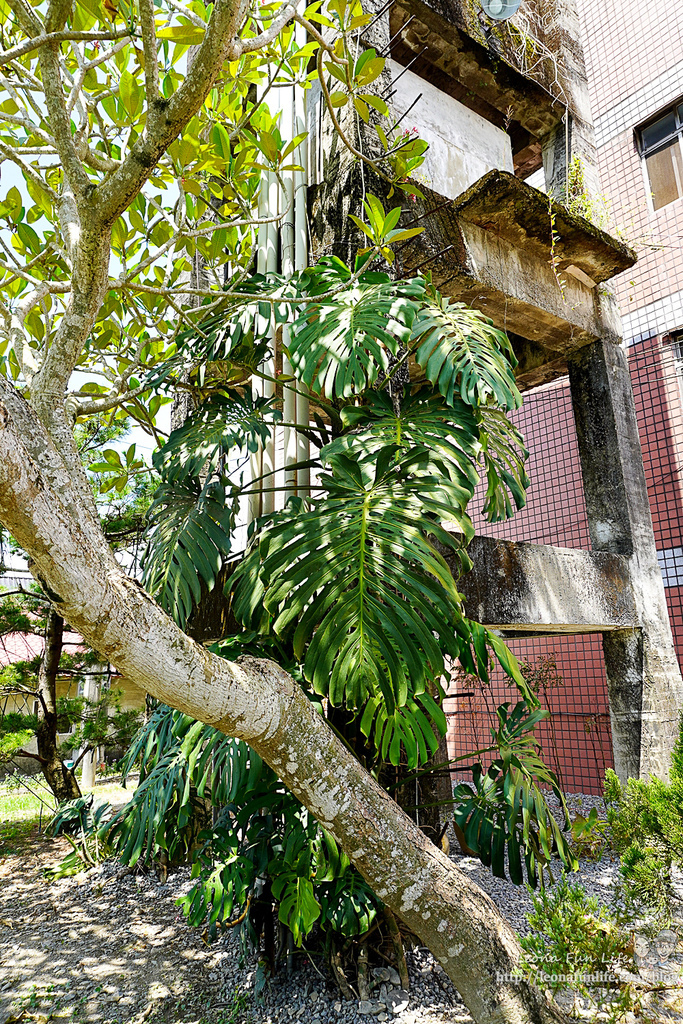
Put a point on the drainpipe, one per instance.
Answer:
(303, 448)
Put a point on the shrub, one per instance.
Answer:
(571, 934)
(573, 948)
(646, 825)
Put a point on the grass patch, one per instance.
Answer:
(19, 802)
(22, 810)
(20, 813)
(14, 835)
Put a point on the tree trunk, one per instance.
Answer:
(258, 702)
(436, 794)
(61, 781)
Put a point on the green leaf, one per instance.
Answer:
(339, 346)
(505, 806)
(187, 542)
(449, 433)
(461, 352)
(131, 94)
(357, 584)
(299, 909)
(504, 457)
(226, 421)
(188, 34)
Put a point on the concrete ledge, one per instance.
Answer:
(487, 248)
(501, 203)
(537, 590)
(472, 64)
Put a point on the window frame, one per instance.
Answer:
(645, 151)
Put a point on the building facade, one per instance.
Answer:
(635, 77)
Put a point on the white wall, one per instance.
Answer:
(463, 146)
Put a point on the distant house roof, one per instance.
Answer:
(26, 646)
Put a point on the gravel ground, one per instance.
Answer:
(118, 951)
(598, 878)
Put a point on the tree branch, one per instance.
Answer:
(58, 37)
(167, 118)
(28, 171)
(107, 402)
(271, 33)
(17, 332)
(27, 753)
(26, 16)
(54, 287)
(86, 750)
(149, 44)
(60, 121)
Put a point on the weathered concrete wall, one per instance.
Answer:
(537, 590)
(463, 145)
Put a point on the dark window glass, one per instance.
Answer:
(665, 171)
(661, 145)
(660, 130)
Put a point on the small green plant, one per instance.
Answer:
(505, 809)
(83, 825)
(234, 1010)
(542, 677)
(589, 835)
(646, 827)
(572, 934)
(574, 946)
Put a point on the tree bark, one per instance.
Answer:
(61, 781)
(436, 794)
(258, 702)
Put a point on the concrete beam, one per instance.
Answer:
(491, 248)
(526, 589)
(456, 45)
(501, 203)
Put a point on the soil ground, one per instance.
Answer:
(117, 950)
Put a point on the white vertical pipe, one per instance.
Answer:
(268, 365)
(263, 461)
(256, 458)
(288, 255)
(303, 448)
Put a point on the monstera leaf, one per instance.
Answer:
(462, 353)
(370, 604)
(505, 810)
(189, 538)
(449, 433)
(190, 521)
(459, 438)
(339, 346)
(228, 422)
(504, 457)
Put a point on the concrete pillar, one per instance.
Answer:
(574, 136)
(644, 679)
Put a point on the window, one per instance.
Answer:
(675, 339)
(660, 145)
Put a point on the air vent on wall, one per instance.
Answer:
(500, 9)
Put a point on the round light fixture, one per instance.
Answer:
(500, 9)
